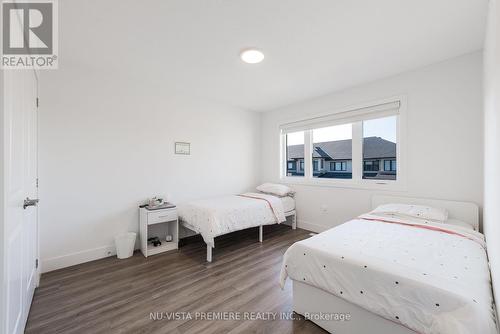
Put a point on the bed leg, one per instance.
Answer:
(294, 221)
(260, 233)
(209, 253)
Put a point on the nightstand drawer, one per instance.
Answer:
(161, 216)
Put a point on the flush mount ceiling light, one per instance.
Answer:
(252, 56)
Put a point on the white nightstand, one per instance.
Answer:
(158, 223)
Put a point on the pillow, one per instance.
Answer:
(417, 211)
(275, 189)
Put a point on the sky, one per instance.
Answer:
(380, 127)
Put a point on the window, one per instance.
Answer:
(340, 166)
(332, 143)
(379, 143)
(294, 151)
(390, 165)
(371, 166)
(315, 165)
(318, 165)
(357, 147)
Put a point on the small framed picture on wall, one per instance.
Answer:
(182, 148)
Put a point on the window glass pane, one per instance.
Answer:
(332, 147)
(390, 165)
(380, 147)
(295, 153)
(387, 165)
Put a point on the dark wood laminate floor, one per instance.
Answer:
(117, 296)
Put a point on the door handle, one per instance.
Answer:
(30, 202)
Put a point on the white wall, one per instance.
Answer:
(107, 144)
(492, 143)
(444, 155)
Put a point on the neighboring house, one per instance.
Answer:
(334, 159)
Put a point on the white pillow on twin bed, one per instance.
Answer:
(417, 211)
(275, 189)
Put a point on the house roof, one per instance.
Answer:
(373, 148)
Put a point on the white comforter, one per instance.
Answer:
(429, 277)
(222, 215)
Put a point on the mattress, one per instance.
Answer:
(221, 215)
(288, 203)
(430, 278)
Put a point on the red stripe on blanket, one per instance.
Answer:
(268, 203)
(432, 228)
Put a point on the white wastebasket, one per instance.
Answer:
(125, 244)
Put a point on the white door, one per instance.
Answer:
(21, 222)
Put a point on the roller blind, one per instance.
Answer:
(355, 115)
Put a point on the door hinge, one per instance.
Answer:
(36, 264)
(37, 102)
(37, 182)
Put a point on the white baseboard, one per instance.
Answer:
(310, 226)
(72, 259)
(87, 255)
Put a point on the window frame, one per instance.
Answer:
(356, 115)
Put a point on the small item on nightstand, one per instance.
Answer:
(155, 201)
(169, 238)
(165, 205)
(155, 241)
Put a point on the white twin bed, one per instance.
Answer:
(222, 215)
(386, 272)
(404, 268)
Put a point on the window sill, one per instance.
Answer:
(383, 185)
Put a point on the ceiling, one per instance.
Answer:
(312, 47)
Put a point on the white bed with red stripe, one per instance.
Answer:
(222, 215)
(395, 275)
